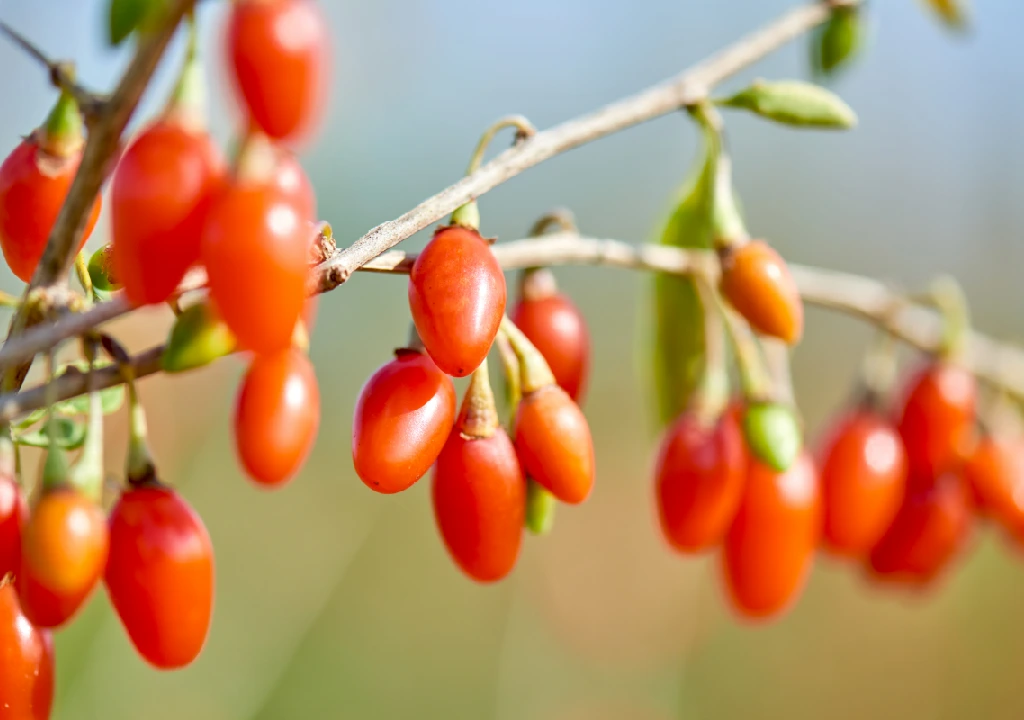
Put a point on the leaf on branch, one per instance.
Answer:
(127, 16)
(836, 43)
(793, 102)
(677, 332)
(952, 13)
(111, 399)
(70, 434)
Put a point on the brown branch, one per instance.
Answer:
(998, 364)
(690, 87)
(102, 147)
(62, 75)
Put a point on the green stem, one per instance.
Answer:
(534, 371)
(87, 474)
(9, 301)
(55, 469)
(64, 130)
(478, 418)
(753, 375)
(713, 389)
(188, 98)
(468, 215)
(510, 367)
(140, 462)
(82, 271)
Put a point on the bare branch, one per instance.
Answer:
(62, 75)
(688, 88)
(998, 364)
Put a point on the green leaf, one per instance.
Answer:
(127, 16)
(677, 317)
(793, 102)
(70, 434)
(954, 14)
(111, 399)
(835, 44)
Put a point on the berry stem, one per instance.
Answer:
(948, 298)
(82, 271)
(510, 368)
(561, 218)
(414, 341)
(712, 395)
(534, 371)
(753, 375)
(187, 102)
(87, 474)
(63, 133)
(479, 415)
(468, 215)
(9, 301)
(140, 466)
(55, 468)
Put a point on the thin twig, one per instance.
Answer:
(62, 75)
(685, 89)
(998, 364)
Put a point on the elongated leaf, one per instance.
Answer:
(70, 434)
(127, 16)
(836, 43)
(676, 343)
(796, 103)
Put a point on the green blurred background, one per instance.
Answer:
(334, 602)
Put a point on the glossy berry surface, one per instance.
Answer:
(457, 297)
(277, 416)
(33, 186)
(557, 329)
(159, 196)
(554, 444)
(931, 526)
(26, 662)
(994, 473)
(700, 475)
(255, 246)
(13, 516)
(863, 476)
(937, 418)
(479, 496)
(770, 547)
(402, 419)
(757, 283)
(160, 575)
(278, 54)
(63, 554)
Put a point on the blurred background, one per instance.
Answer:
(334, 602)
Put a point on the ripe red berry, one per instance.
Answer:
(863, 475)
(277, 416)
(13, 516)
(479, 496)
(757, 283)
(457, 297)
(33, 186)
(931, 526)
(63, 553)
(557, 329)
(159, 196)
(160, 575)
(769, 549)
(554, 445)
(994, 472)
(255, 246)
(278, 53)
(700, 476)
(403, 416)
(937, 418)
(26, 662)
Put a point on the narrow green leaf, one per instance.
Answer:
(677, 319)
(70, 434)
(128, 16)
(793, 102)
(111, 399)
(836, 43)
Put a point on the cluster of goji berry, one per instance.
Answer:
(487, 486)
(176, 203)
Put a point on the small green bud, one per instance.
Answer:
(837, 41)
(773, 434)
(540, 508)
(198, 338)
(792, 102)
(101, 270)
